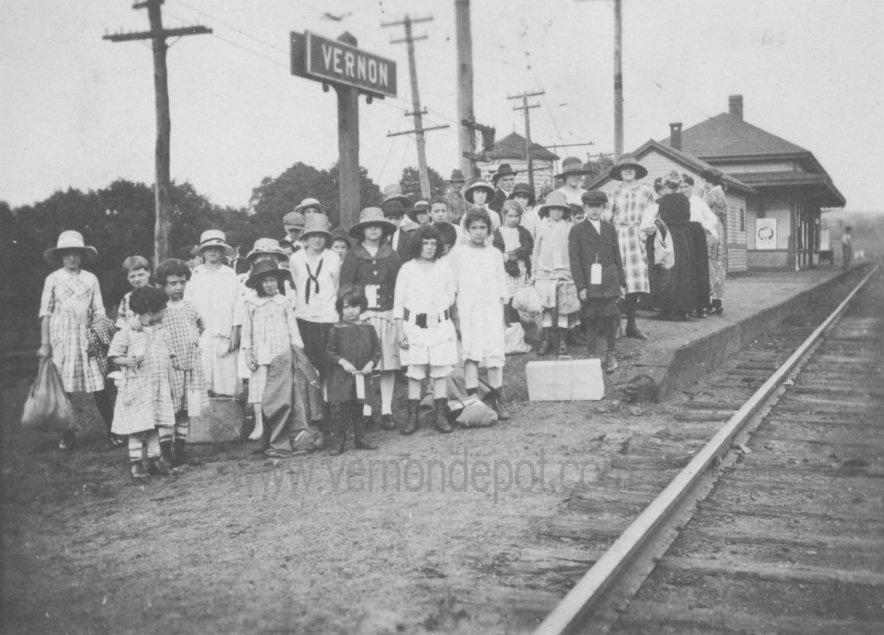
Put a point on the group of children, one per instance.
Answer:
(353, 304)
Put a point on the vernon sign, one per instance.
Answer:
(334, 62)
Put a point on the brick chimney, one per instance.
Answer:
(735, 106)
(675, 135)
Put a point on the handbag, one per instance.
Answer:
(528, 300)
(48, 404)
(664, 252)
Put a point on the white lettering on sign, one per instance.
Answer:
(344, 64)
(337, 65)
(326, 54)
(360, 68)
(372, 71)
(349, 63)
(384, 79)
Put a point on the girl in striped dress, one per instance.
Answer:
(71, 300)
(144, 402)
(269, 328)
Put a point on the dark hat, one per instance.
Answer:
(503, 169)
(628, 161)
(555, 199)
(393, 193)
(478, 185)
(371, 216)
(264, 268)
(712, 175)
(594, 197)
(340, 233)
(524, 189)
(570, 167)
(457, 177)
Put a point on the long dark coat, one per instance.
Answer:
(358, 343)
(586, 247)
(361, 268)
(688, 286)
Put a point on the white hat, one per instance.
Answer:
(70, 239)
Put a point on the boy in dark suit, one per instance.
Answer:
(598, 274)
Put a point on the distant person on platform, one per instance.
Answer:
(573, 174)
(504, 180)
(701, 213)
(457, 205)
(524, 196)
(633, 212)
(716, 199)
(847, 247)
(395, 205)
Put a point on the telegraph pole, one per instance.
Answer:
(417, 111)
(464, 38)
(158, 35)
(618, 79)
(526, 108)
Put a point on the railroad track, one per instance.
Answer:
(776, 524)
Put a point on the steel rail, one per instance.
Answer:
(589, 590)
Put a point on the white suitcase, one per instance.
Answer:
(565, 379)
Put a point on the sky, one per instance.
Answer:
(78, 111)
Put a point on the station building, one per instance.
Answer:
(776, 189)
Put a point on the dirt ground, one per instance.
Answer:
(395, 540)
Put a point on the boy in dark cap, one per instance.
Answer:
(598, 274)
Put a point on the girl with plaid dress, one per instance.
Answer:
(269, 328)
(144, 402)
(552, 272)
(633, 212)
(70, 302)
(183, 326)
(517, 244)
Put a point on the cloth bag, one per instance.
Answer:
(514, 339)
(664, 252)
(48, 404)
(528, 300)
(476, 414)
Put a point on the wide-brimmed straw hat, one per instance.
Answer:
(394, 193)
(317, 224)
(478, 185)
(555, 199)
(525, 190)
(266, 246)
(628, 161)
(503, 169)
(215, 238)
(310, 202)
(266, 268)
(371, 216)
(572, 166)
(68, 240)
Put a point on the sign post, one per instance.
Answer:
(350, 71)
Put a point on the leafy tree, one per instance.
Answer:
(411, 183)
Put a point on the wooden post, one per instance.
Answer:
(527, 108)
(163, 223)
(417, 112)
(464, 38)
(618, 79)
(162, 152)
(348, 148)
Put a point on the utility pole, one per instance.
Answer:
(417, 111)
(526, 108)
(163, 222)
(464, 39)
(618, 78)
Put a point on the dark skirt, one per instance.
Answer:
(315, 336)
(687, 288)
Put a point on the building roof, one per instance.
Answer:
(728, 136)
(827, 192)
(682, 158)
(512, 146)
